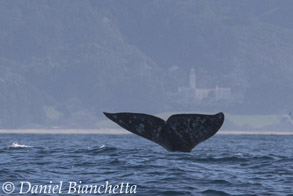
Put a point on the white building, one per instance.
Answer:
(191, 92)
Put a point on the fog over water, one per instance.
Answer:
(62, 63)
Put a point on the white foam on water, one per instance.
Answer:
(102, 146)
(16, 145)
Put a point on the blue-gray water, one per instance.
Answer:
(222, 165)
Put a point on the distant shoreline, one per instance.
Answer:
(121, 131)
(65, 131)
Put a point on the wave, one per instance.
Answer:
(214, 192)
(17, 145)
(171, 192)
(102, 146)
(101, 149)
(229, 158)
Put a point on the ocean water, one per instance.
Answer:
(223, 165)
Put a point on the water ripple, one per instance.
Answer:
(224, 165)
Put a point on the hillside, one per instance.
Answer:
(64, 62)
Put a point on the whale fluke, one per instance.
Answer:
(181, 132)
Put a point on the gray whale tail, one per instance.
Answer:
(181, 132)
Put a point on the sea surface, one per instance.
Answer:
(223, 165)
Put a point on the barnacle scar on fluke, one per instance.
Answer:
(181, 132)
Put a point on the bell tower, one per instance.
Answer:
(192, 79)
